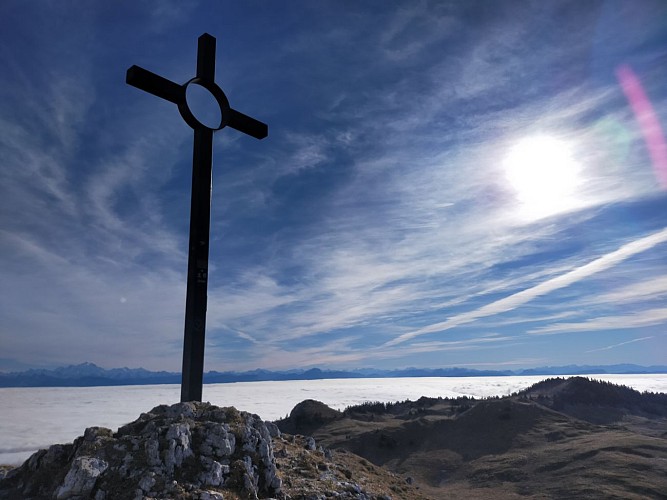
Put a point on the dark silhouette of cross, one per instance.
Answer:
(200, 205)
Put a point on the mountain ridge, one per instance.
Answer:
(89, 374)
(571, 437)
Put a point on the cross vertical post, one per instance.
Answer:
(200, 203)
(200, 220)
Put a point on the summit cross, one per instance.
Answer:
(200, 204)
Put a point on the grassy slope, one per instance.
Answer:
(516, 447)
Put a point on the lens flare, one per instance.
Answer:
(647, 120)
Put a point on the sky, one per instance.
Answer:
(476, 184)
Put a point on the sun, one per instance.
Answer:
(543, 174)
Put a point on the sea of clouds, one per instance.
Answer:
(34, 418)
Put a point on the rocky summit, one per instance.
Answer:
(198, 451)
(188, 450)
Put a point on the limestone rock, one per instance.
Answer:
(187, 450)
(273, 429)
(310, 444)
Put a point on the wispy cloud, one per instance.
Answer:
(635, 319)
(513, 301)
(647, 289)
(345, 351)
(614, 346)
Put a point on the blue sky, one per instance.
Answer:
(476, 184)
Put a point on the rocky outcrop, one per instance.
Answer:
(188, 450)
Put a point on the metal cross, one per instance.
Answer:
(200, 204)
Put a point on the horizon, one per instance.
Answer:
(515, 371)
(476, 185)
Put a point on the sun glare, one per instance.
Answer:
(543, 174)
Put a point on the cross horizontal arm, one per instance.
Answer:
(155, 84)
(243, 123)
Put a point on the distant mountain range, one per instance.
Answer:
(89, 374)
